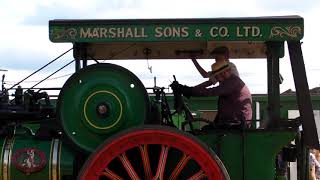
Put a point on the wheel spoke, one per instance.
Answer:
(127, 165)
(111, 175)
(199, 175)
(168, 154)
(162, 163)
(182, 163)
(146, 161)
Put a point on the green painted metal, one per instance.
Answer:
(261, 152)
(2, 140)
(172, 30)
(24, 142)
(67, 156)
(248, 154)
(63, 155)
(287, 102)
(121, 94)
(273, 83)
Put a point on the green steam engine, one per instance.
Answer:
(104, 124)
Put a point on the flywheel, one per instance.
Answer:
(98, 101)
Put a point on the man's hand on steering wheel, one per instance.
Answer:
(181, 89)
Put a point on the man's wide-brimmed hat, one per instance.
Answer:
(219, 67)
(220, 50)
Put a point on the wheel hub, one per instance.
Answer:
(103, 110)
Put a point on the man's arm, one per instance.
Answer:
(199, 68)
(204, 84)
(222, 89)
(313, 173)
(212, 79)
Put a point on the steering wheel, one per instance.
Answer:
(180, 106)
(177, 96)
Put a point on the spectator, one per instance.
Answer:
(314, 158)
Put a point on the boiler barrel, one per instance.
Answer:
(26, 158)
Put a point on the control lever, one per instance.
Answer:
(178, 101)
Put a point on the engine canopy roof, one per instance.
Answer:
(245, 37)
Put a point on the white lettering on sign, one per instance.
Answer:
(248, 31)
(112, 33)
(219, 31)
(171, 32)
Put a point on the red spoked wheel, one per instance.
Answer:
(153, 152)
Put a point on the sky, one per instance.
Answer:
(25, 44)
